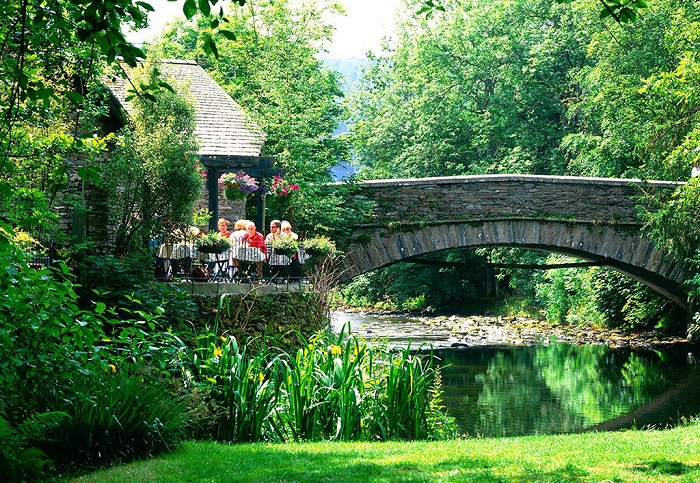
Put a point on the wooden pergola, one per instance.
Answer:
(259, 167)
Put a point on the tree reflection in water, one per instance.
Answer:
(554, 388)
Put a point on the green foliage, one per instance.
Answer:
(597, 296)
(628, 304)
(53, 351)
(239, 383)
(330, 388)
(403, 285)
(116, 415)
(126, 285)
(332, 210)
(566, 295)
(412, 408)
(478, 89)
(152, 177)
(20, 459)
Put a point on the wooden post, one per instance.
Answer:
(213, 188)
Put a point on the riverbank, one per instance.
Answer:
(630, 456)
(480, 330)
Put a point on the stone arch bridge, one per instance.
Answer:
(594, 219)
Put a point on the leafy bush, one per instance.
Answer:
(628, 304)
(128, 284)
(115, 415)
(399, 286)
(567, 295)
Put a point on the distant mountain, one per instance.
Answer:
(351, 70)
(350, 67)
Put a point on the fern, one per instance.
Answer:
(19, 459)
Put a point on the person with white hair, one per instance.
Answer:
(254, 249)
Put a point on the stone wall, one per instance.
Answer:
(501, 196)
(95, 223)
(281, 316)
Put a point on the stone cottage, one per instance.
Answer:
(226, 136)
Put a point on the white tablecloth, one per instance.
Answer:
(177, 251)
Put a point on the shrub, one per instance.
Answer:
(127, 283)
(116, 416)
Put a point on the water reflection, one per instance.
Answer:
(554, 388)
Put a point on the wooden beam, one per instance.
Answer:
(237, 162)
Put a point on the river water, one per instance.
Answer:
(548, 387)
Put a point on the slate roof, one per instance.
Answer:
(223, 129)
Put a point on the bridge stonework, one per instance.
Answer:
(589, 218)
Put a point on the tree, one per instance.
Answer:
(151, 176)
(271, 69)
(479, 88)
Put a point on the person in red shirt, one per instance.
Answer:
(256, 249)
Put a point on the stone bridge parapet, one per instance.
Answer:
(602, 200)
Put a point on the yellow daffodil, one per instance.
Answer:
(113, 367)
(336, 350)
(218, 352)
(261, 377)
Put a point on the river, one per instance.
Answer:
(503, 381)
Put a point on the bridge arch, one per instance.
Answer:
(606, 231)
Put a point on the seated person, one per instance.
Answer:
(296, 262)
(237, 242)
(287, 230)
(223, 228)
(275, 260)
(254, 249)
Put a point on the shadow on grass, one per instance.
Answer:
(665, 467)
(376, 464)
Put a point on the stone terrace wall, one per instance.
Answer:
(502, 196)
(97, 223)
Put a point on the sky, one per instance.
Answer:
(367, 21)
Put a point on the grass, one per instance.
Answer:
(630, 456)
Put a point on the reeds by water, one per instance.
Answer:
(330, 388)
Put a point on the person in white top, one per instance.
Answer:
(236, 243)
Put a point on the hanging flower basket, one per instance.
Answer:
(238, 186)
(280, 188)
(234, 193)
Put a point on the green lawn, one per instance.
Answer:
(630, 456)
